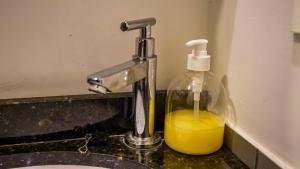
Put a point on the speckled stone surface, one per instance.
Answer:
(68, 158)
(65, 152)
(36, 116)
(57, 126)
(39, 116)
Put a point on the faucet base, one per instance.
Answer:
(142, 143)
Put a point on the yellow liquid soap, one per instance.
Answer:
(188, 135)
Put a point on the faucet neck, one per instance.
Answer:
(145, 32)
(144, 48)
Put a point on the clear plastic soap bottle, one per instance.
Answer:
(196, 106)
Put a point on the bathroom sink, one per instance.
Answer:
(66, 160)
(60, 167)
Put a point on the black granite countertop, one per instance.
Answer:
(53, 129)
(66, 152)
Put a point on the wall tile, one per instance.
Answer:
(240, 147)
(263, 162)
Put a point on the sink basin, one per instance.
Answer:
(60, 167)
(66, 160)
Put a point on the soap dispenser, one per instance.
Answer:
(196, 106)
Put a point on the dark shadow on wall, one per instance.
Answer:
(296, 50)
(230, 110)
(222, 14)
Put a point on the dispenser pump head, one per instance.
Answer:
(198, 60)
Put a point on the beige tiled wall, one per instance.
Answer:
(256, 52)
(47, 47)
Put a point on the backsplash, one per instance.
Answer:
(37, 116)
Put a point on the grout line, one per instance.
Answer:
(271, 155)
(256, 158)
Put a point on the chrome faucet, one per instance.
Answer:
(141, 73)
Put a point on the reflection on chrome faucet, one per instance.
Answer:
(140, 72)
(117, 77)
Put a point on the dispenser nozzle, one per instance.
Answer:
(199, 47)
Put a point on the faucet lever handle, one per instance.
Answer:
(143, 24)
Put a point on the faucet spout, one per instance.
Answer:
(117, 77)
